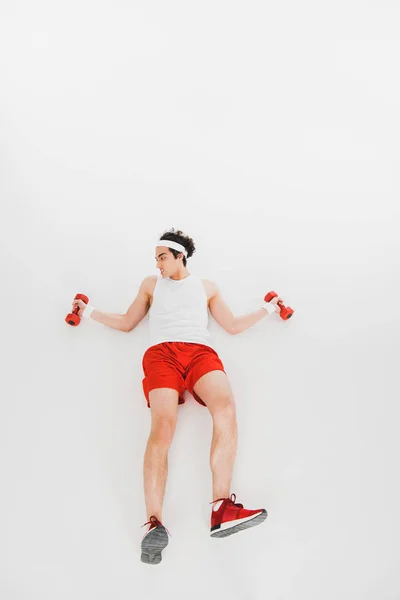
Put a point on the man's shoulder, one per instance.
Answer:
(209, 282)
(149, 283)
(150, 279)
(211, 287)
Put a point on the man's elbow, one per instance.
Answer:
(127, 325)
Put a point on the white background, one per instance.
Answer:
(268, 132)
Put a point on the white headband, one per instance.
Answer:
(173, 245)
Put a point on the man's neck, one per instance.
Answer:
(180, 276)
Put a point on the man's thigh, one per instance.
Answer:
(161, 372)
(205, 361)
(216, 392)
(170, 384)
(164, 412)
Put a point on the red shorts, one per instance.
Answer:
(178, 365)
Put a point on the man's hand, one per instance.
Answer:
(275, 300)
(81, 304)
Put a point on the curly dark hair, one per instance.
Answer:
(178, 236)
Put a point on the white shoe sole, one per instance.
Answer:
(230, 527)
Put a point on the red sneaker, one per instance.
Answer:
(231, 518)
(154, 541)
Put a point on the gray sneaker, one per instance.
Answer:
(154, 542)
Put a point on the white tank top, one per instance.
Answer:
(179, 311)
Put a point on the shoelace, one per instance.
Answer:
(231, 500)
(155, 520)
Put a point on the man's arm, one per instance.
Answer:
(111, 320)
(135, 313)
(140, 306)
(244, 322)
(224, 317)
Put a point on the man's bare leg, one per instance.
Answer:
(223, 451)
(164, 412)
(155, 472)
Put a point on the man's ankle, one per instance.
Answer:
(155, 514)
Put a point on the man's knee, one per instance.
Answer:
(224, 410)
(162, 431)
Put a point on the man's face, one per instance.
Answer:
(164, 259)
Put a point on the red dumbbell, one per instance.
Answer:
(73, 318)
(286, 311)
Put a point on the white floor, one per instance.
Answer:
(268, 133)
